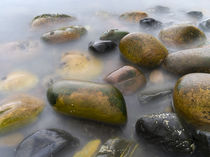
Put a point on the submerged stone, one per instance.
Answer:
(64, 34)
(45, 143)
(195, 14)
(134, 16)
(150, 23)
(160, 9)
(117, 147)
(166, 131)
(50, 19)
(94, 101)
(127, 79)
(188, 61)
(182, 37)
(18, 81)
(19, 50)
(205, 25)
(77, 65)
(19, 110)
(113, 35)
(147, 96)
(89, 150)
(102, 46)
(143, 49)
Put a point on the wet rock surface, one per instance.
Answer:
(98, 102)
(127, 79)
(188, 61)
(89, 150)
(191, 99)
(150, 23)
(182, 36)
(64, 34)
(45, 143)
(143, 49)
(134, 16)
(102, 46)
(78, 65)
(117, 147)
(45, 20)
(18, 81)
(165, 130)
(19, 110)
(113, 35)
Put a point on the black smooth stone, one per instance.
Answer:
(205, 25)
(45, 143)
(150, 23)
(102, 46)
(165, 130)
(195, 14)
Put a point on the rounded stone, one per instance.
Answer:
(134, 16)
(18, 81)
(127, 79)
(77, 65)
(143, 49)
(182, 37)
(191, 100)
(88, 100)
(50, 19)
(19, 110)
(64, 34)
(188, 61)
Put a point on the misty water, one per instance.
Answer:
(97, 16)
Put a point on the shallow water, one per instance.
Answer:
(15, 18)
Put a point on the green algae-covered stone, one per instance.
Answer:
(89, 150)
(188, 61)
(143, 49)
(113, 35)
(99, 102)
(117, 147)
(19, 110)
(192, 99)
(50, 19)
(182, 37)
(64, 34)
(134, 16)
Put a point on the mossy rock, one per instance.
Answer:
(19, 110)
(50, 19)
(143, 49)
(117, 147)
(64, 34)
(182, 37)
(89, 150)
(191, 99)
(188, 61)
(88, 100)
(134, 16)
(127, 79)
(78, 65)
(113, 35)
